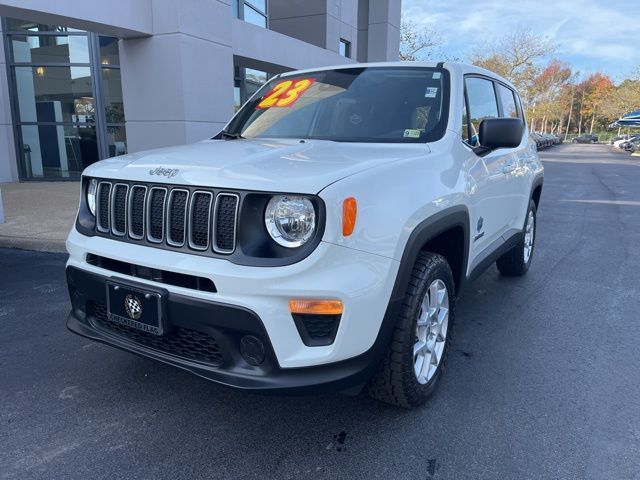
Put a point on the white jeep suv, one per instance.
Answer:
(321, 239)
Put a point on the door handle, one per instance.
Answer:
(508, 166)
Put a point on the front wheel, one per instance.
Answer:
(517, 261)
(414, 361)
(574, 141)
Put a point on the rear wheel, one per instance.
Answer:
(415, 358)
(517, 261)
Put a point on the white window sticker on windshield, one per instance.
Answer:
(436, 75)
(431, 92)
(410, 133)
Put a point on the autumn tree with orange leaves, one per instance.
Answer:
(549, 95)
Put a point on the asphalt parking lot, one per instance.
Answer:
(543, 380)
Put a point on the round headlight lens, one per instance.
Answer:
(290, 220)
(91, 196)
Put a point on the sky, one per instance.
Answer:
(591, 35)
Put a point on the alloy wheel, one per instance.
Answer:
(529, 233)
(431, 331)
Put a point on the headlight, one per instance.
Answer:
(290, 220)
(91, 196)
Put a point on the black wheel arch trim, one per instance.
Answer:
(537, 182)
(425, 231)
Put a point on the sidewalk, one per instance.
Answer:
(38, 215)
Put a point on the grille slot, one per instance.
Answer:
(155, 214)
(137, 200)
(200, 220)
(177, 217)
(104, 195)
(179, 341)
(225, 214)
(119, 209)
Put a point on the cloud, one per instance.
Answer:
(589, 34)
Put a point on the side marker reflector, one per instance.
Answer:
(349, 214)
(316, 307)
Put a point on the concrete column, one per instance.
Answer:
(378, 30)
(8, 165)
(383, 35)
(178, 84)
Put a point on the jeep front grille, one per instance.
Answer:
(178, 217)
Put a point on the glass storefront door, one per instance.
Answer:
(66, 98)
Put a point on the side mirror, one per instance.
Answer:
(500, 133)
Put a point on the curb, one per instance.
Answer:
(37, 244)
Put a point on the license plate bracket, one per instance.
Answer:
(134, 307)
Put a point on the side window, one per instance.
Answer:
(508, 99)
(482, 104)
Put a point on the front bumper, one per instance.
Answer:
(247, 301)
(227, 325)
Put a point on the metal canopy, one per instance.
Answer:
(629, 120)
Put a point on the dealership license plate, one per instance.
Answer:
(135, 308)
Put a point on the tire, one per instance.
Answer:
(574, 141)
(396, 381)
(516, 262)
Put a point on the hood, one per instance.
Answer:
(255, 164)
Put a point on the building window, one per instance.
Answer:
(66, 98)
(345, 48)
(252, 11)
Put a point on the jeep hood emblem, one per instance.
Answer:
(164, 172)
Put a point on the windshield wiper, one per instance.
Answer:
(230, 136)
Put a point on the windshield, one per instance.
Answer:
(376, 104)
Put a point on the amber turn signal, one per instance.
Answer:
(349, 214)
(316, 307)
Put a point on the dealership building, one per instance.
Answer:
(85, 80)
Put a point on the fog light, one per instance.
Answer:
(252, 350)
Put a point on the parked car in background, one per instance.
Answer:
(545, 140)
(586, 138)
(551, 138)
(630, 144)
(540, 142)
(619, 139)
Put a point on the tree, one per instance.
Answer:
(418, 43)
(549, 96)
(516, 57)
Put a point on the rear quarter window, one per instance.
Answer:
(509, 102)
